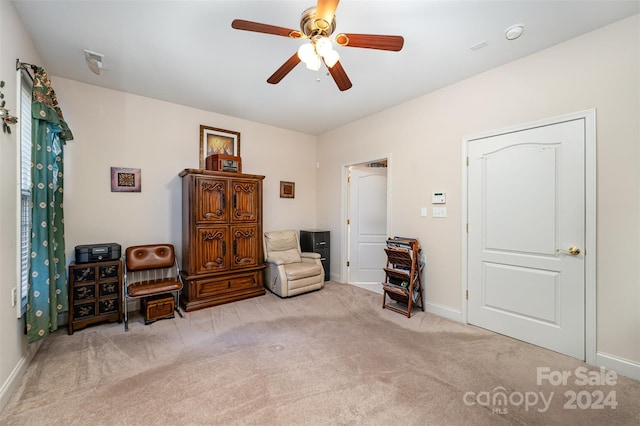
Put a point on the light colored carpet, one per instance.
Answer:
(329, 357)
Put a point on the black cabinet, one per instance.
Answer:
(95, 293)
(317, 241)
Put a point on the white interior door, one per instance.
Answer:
(526, 214)
(367, 225)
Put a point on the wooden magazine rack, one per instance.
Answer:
(403, 283)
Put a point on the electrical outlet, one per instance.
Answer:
(14, 296)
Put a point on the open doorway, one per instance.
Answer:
(366, 222)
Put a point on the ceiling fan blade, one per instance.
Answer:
(241, 24)
(371, 41)
(340, 77)
(326, 10)
(284, 69)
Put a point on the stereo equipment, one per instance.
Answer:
(223, 163)
(97, 252)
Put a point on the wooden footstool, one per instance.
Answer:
(157, 307)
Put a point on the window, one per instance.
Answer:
(24, 122)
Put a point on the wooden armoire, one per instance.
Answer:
(222, 254)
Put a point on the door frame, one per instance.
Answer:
(344, 209)
(589, 117)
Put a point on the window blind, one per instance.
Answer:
(25, 187)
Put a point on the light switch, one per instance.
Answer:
(439, 212)
(423, 211)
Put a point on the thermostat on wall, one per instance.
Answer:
(438, 198)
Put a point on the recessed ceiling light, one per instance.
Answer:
(514, 31)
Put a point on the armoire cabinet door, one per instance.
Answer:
(211, 249)
(211, 200)
(245, 200)
(246, 246)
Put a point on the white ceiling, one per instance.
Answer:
(186, 52)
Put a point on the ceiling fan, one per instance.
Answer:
(317, 24)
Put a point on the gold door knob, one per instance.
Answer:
(573, 251)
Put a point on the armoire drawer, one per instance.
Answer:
(213, 287)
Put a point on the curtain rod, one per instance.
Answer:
(26, 66)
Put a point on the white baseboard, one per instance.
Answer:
(434, 308)
(621, 366)
(373, 287)
(444, 311)
(12, 382)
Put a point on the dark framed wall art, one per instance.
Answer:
(125, 180)
(287, 189)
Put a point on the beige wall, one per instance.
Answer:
(423, 138)
(116, 129)
(14, 352)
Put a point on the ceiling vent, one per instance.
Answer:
(94, 61)
(478, 45)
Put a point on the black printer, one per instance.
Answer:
(97, 252)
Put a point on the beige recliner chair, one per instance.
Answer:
(289, 271)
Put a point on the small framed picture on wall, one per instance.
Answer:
(287, 189)
(125, 180)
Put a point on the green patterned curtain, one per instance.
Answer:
(48, 292)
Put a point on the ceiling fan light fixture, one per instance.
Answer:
(318, 24)
(325, 49)
(309, 55)
(323, 46)
(331, 58)
(306, 52)
(314, 63)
